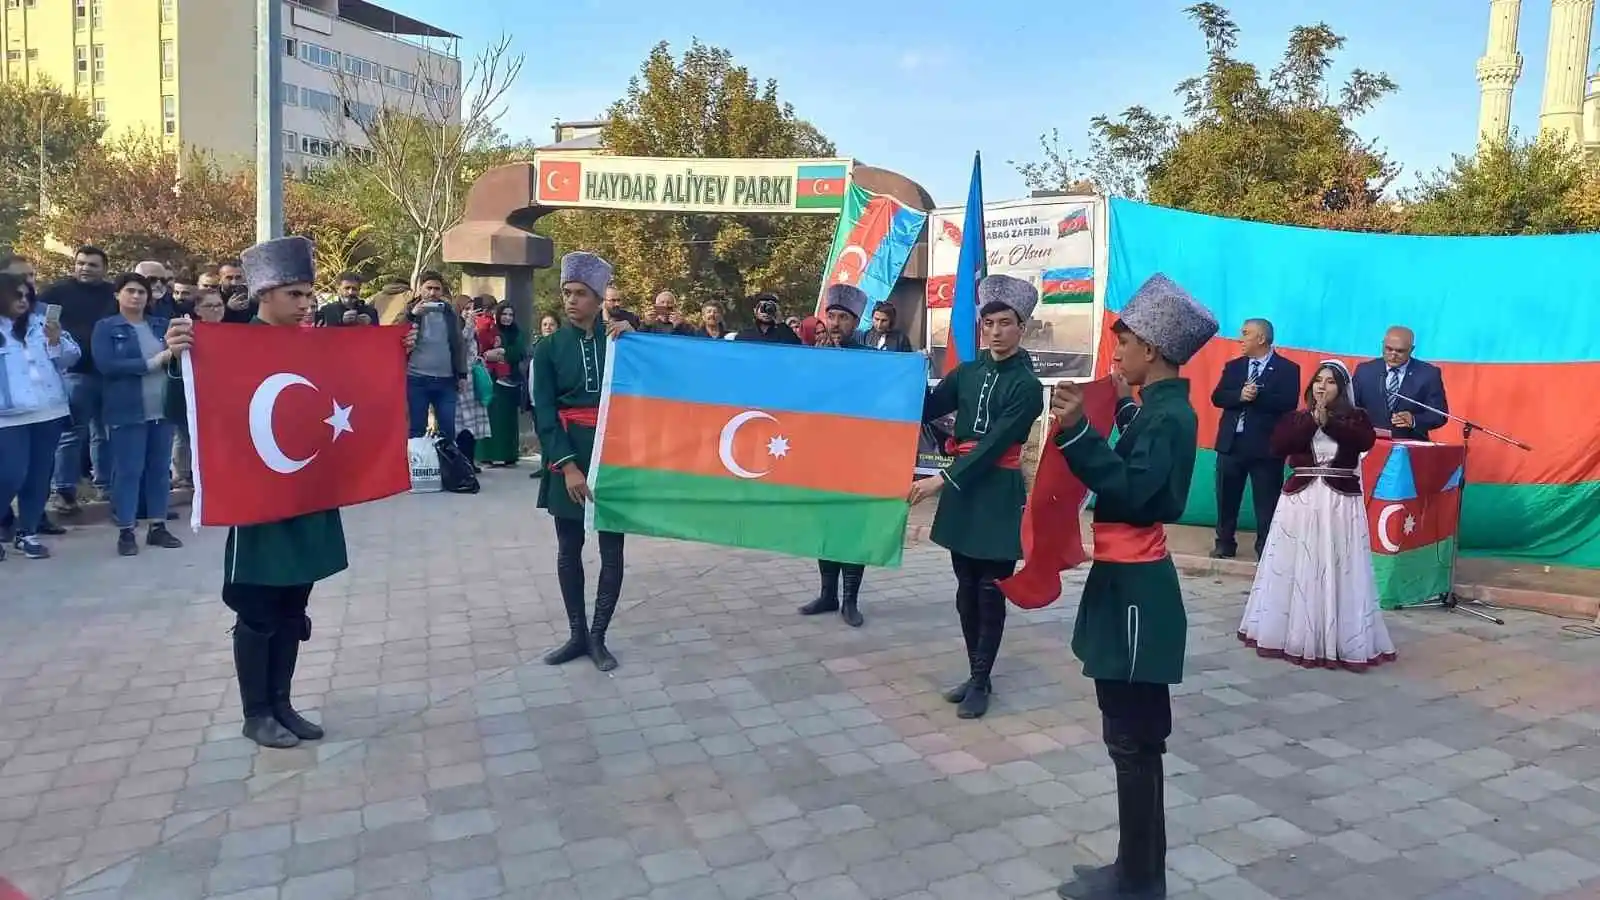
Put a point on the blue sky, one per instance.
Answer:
(916, 87)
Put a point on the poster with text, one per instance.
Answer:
(1051, 242)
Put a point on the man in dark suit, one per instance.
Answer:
(1385, 389)
(1254, 392)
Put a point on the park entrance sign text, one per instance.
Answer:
(654, 184)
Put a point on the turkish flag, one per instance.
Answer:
(290, 421)
(560, 180)
(941, 291)
(9, 891)
(1052, 537)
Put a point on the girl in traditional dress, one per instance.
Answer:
(503, 445)
(1315, 600)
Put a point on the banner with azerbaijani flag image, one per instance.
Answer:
(719, 442)
(874, 238)
(1513, 323)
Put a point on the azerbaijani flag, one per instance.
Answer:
(1071, 285)
(1413, 513)
(719, 442)
(961, 344)
(820, 187)
(1332, 294)
(873, 240)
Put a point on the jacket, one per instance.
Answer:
(31, 386)
(455, 335)
(122, 368)
(1423, 382)
(1348, 428)
(82, 306)
(889, 340)
(775, 333)
(1278, 393)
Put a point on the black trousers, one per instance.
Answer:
(1136, 720)
(982, 609)
(269, 609)
(1135, 717)
(1265, 475)
(570, 539)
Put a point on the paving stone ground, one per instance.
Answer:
(742, 752)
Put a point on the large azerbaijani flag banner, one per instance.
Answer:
(1513, 322)
(724, 443)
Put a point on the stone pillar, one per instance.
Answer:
(1498, 71)
(1566, 69)
(492, 243)
(507, 283)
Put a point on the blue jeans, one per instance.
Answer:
(424, 391)
(27, 457)
(141, 460)
(83, 396)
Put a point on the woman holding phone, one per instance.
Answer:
(34, 353)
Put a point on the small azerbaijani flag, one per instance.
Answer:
(1413, 516)
(717, 442)
(820, 187)
(1070, 285)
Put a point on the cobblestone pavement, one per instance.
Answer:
(742, 751)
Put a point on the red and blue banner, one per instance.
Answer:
(1513, 322)
(962, 344)
(871, 244)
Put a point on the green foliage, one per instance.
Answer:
(1278, 148)
(1537, 186)
(44, 133)
(705, 105)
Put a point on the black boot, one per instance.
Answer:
(607, 590)
(569, 573)
(991, 615)
(252, 654)
(285, 652)
(967, 610)
(1140, 872)
(853, 574)
(828, 597)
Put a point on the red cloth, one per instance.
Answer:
(587, 416)
(290, 421)
(488, 331)
(9, 891)
(1011, 459)
(1052, 541)
(808, 330)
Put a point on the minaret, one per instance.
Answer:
(1566, 69)
(1498, 71)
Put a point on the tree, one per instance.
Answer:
(409, 153)
(44, 133)
(139, 199)
(1537, 186)
(705, 105)
(1279, 148)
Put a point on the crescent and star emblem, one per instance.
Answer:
(777, 447)
(843, 275)
(550, 186)
(262, 404)
(1407, 527)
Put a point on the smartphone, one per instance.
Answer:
(52, 313)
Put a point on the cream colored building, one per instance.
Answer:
(186, 69)
(1570, 102)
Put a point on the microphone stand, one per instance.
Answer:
(1451, 600)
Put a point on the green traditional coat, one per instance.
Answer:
(301, 550)
(1131, 624)
(567, 371)
(996, 404)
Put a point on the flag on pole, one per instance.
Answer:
(871, 244)
(962, 343)
(720, 443)
(1052, 539)
(290, 421)
(1413, 514)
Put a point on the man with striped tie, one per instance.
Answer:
(1397, 389)
(1254, 392)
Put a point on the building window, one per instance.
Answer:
(405, 81)
(169, 61)
(95, 12)
(13, 4)
(319, 56)
(80, 69)
(168, 13)
(33, 54)
(362, 68)
(80, 15)
(100, 109)
(316, 147)
(319, 100)
(13, 56)
(291, 95)
(291, 47)
(99, 63)
(291, 142)
(364, 114)
(169, 114)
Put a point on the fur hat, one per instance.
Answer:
(588, 270)
(1164, 316)
(275, 263)
(847, 297)
(1020, 295)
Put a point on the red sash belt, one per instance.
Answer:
(587, 416)
(1011, 459)
(1121, 543)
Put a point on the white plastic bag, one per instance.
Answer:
(424, 466)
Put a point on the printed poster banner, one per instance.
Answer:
(656, 184)
(1047, 241)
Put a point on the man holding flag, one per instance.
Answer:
(996, 399)
(843, 305)
(568, 372)
(1131, 626)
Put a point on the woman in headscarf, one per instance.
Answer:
(502, 447)
(814, 332)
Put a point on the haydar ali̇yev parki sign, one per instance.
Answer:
(693, 185)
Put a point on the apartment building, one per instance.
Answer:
(186, 69)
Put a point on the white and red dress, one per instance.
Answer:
(1315, 600)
